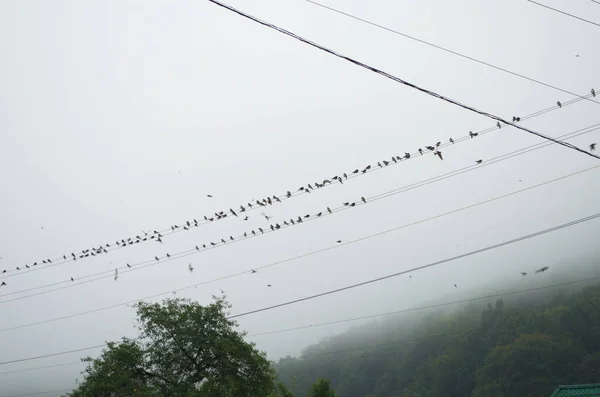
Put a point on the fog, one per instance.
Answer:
(117, 117)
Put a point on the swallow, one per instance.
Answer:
(559, 104)
(439, 154)
(451, 140)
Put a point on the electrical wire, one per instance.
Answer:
(437, 263)
(40, 393)
(401, 81)
(419, 308)
(371, 281)
(148, 263)
(41, 367)
(46, 264)
(446, 50)
(287, 260)
(562, 12)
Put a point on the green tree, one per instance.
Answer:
(184, 350)
(322, 388)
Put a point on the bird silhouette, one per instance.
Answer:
(233, 212)
(128, 265)
(479, 161)
(213, 244)
(209, 195)
(543, 269)
(430, 148)
(168, 256)
(559, 104)
(523, 273)
(516, 119)
(439, 154)
(498, 124)
(223, 241)
(253, 271)
(363, 200)
(156, 257)
(231, 238)
(473, 134)
(593, 92)
(329, 210)
(338, 241)
(455, 286)
(190, 268)
(72, 279)
(116, 274)
(593, 146)
(451, 140)
(421, 151)
(3, 284)
(269, 285)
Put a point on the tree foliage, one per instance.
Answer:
(525, 348)
(184, 350)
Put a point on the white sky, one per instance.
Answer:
(117, 116)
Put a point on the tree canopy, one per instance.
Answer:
(184, 350)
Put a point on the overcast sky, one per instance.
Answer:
(121, 116)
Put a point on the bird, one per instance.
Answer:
(439, 154)
(253, 271)
(233, 212)
(223, 241)
(190, 268)
(116, 274)
(329, 210)
(592, 146)
(559, 104)
(523, 273)
(473, 134)
(338, 241)
(543, 269)
(430, 148)
(3, 271)
(455, 286)
(451, 140)
(269, 285)
(516, 119)
(498, 124)
(3, 284)
(363, 200)
(593, 92)
(420, 151)
(128, 265)
(246, 218)
(168, 256)
(209, 195)
(479, 161)
(72, 279)
(156, 257)
(231, 238)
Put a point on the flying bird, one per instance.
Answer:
(439, 154)
(3, 284)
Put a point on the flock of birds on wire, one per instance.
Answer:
(158, 236)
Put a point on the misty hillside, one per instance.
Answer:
(520, 345)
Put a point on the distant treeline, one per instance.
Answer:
(509, 348)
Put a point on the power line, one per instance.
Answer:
(371, 281)
(141, 265)
(562, 12)
(447, 50)
(42, 367)
(375, 280)
(419, 308)
(40, 393)
(342, 208)
(165, 232)
(399, 80)
(53, 354)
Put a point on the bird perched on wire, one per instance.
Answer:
(593, 146)
(593, 92)
(479, 161)
(473, 134)
(498, 124)
(559, 104)
(451, 140)
(116, 274)
(3, 284)
(439, 154)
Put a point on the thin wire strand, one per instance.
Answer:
(447, 50)
(287, 260)
(371, 281)
(564, 13)
(283, 197)
(419, 308)
(41, 367)
(148, 263)
(401, 81)
(393, 275)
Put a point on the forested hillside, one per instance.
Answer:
(513, 347)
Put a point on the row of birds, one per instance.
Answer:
(266, 201)
(157, 236)
(272, 227)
